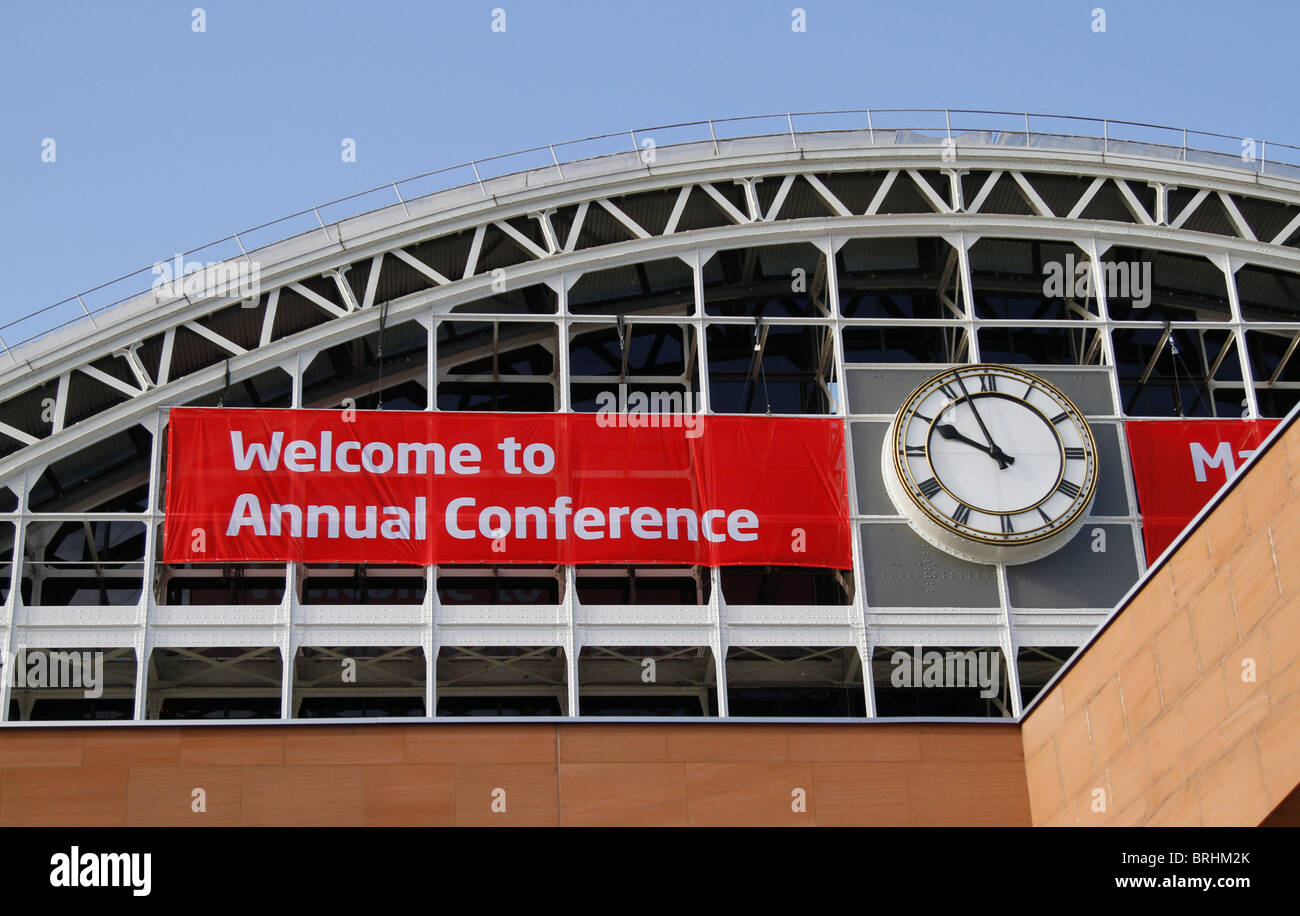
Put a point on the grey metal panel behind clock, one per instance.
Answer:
(884, 389)
(902, 570)
(1087, 386)
(1112, 496)
(1075, 576)
(868, 438)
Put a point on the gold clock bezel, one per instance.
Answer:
(903, 472)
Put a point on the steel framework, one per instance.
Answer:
(442, 263)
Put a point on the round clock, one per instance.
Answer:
(991, 464)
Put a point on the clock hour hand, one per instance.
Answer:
(1002, 458)
(950, 432)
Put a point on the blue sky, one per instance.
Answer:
(166, 139)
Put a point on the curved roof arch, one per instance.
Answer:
(431, 255)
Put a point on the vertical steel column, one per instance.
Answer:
(289, 604)
(9, 659)
(1007, 642)
(571, 647)
(1108, 353)
(287, 642)
(144, 638)
(968, 293)
(718, 638)
(703, 404)
(717, 613)
(432, 609)
(1239, 336)
(859, 603)
(570, 598)
(429, 641)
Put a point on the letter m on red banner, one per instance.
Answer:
(325, 486)
(1179, 465)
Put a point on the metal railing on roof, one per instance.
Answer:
(915, 125)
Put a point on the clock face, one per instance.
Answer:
(991, 463)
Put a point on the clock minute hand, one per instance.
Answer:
(1002, 458)
(950, 432)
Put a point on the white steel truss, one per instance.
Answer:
(761, 194)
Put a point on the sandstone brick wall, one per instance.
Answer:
(1156, 713)
(583, 773)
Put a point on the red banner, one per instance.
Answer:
(1180, 464)
(333, 486)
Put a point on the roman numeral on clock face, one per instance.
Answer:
(988, 382)
(914, 451)
(951, 394)
(1006, 525)
(1074, 452)
(962, 514)
(929, 487)
(1069, 489)
(1060, 418)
